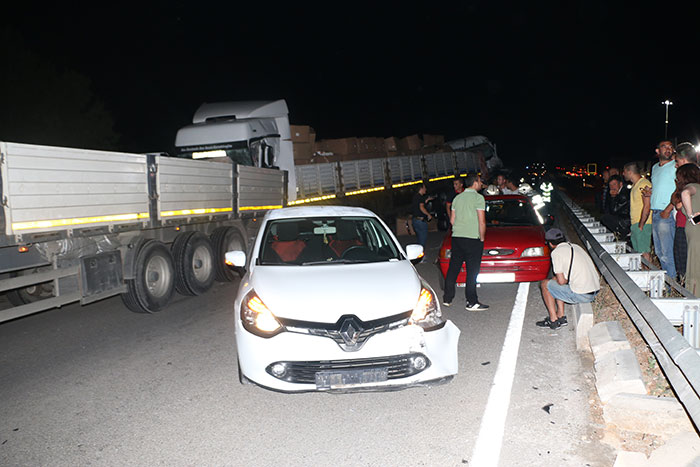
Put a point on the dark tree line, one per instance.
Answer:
(44, 103)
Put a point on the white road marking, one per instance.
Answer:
(487, 449)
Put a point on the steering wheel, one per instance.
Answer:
(354, 247)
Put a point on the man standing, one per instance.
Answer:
(663, 179)
(640, 219)
(575, 279)
(458, 185)
(510, 187)
(468, 218)
(685, 154)
(421, 216)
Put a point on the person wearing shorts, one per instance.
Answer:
(575, 279)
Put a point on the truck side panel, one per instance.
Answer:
(190, 188)
(51, 188)
(259, 189)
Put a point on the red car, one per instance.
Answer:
(514, 250)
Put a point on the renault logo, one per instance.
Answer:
(350, 331)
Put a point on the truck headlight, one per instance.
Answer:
(534, 251)
(426, 313)
(257, 318)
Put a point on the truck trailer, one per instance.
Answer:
(83, 225)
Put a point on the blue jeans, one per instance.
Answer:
(566, 295)
(420, 227)
(663, 233)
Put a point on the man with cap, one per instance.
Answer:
(575, 279)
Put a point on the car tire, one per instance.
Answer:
(241, 377)
(194, 263)
(153, 284)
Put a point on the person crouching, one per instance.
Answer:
(575, 279)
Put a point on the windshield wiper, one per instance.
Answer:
(338, 261)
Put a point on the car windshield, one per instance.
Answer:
(326, 240)
(510, 212)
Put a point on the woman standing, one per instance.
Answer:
(688, 183)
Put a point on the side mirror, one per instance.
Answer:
(235, 258)
(414, 253)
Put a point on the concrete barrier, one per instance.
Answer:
(641, 413)
(607, 337)
(618, 372)
(582, 314)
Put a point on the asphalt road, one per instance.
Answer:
(98, 385)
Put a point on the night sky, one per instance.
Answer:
(569, 81)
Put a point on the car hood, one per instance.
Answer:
(510, 237)
(324, 293)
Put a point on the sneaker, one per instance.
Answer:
(446, 302)
(563, 321)
(547, 323)
(477, 306)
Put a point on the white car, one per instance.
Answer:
(330, 301)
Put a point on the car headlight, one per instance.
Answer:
(257, 318)
(534, 251)
(426, 313)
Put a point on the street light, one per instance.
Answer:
(666, 103)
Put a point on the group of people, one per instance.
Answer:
(664, 210)
(574, 278)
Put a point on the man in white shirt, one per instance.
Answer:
(575, 280)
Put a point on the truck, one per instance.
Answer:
(81, 225)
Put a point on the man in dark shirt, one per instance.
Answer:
(421, 216)
(617, 207)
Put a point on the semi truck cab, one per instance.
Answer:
(251, 133)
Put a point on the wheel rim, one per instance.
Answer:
(158, 276)
(201, 263)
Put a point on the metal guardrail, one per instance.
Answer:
(679, 361)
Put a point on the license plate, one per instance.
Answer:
(486, 278)
(349, 378)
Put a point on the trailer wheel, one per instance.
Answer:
(153, 284)
(226, 239)
(30, 294)
(194, 263)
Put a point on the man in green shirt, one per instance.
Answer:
(468, 218)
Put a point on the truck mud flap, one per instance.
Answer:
(102, 276)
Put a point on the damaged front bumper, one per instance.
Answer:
(395, 359)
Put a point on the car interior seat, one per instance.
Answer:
(345, 237)
(287, 243)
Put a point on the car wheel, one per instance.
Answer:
(241, 377)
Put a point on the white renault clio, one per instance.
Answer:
(330, 301)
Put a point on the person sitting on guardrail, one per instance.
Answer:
(575, 279)
(640, 211)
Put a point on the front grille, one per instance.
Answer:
(497, 252)
(349, 332)
(398, 366)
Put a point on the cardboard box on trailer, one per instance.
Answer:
(410, 143)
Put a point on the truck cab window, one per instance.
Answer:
(238, 152)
